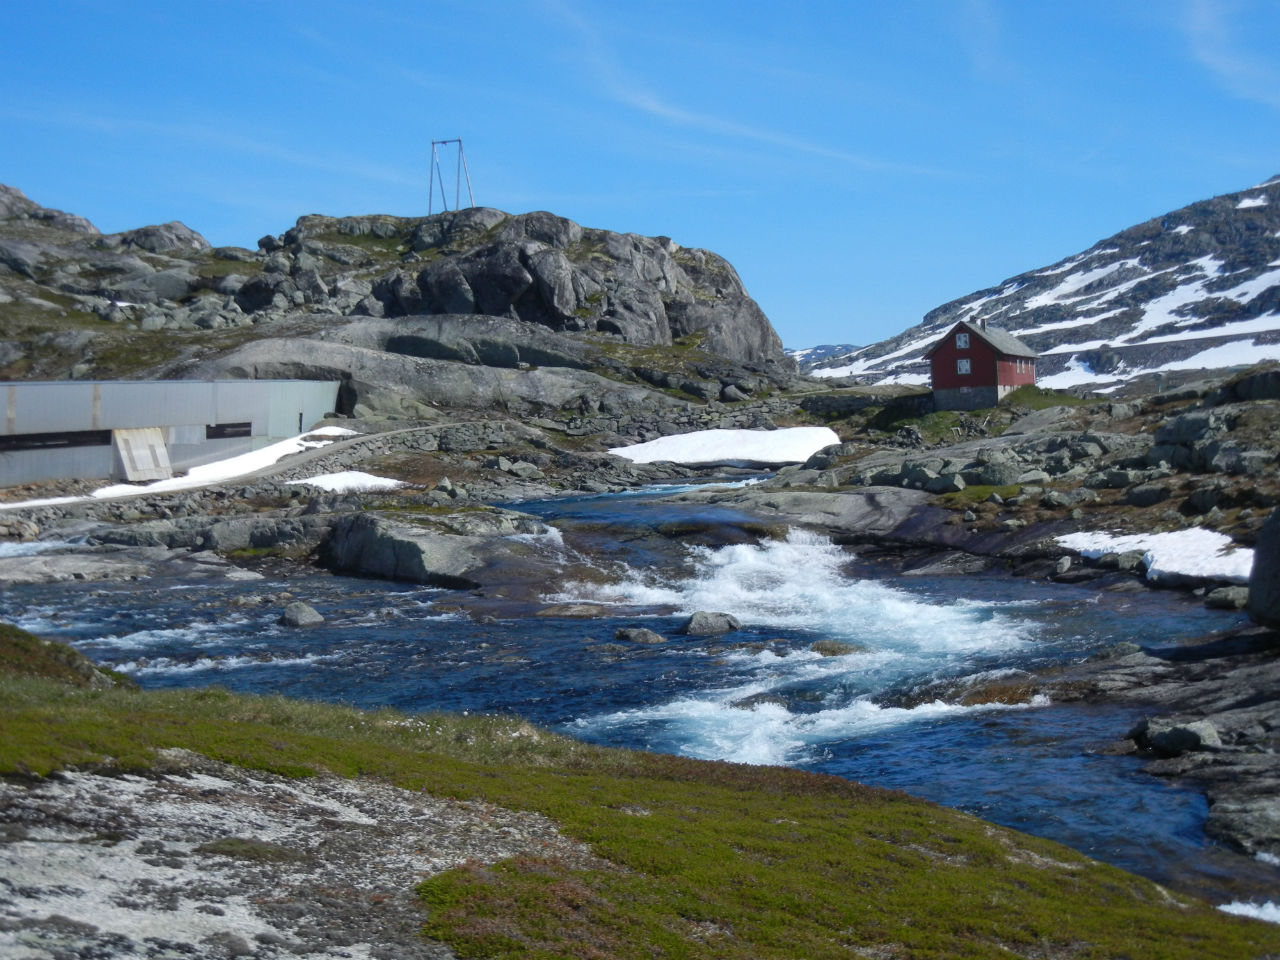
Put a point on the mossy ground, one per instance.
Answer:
(942, 426)
(700, 859)
(679, 360)
(1041, 398)
(978, 493)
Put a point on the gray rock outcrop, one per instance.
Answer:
(1212, 714)
(513, 292)
(160, 238)
(14, 205)
(546, 270)
(1264, 581)
(376, 383)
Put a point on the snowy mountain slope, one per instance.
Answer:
(811, 357)
(1196, 288)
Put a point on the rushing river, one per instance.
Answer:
(759, 695)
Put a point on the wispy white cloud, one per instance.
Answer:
(217, 137)
(622, 86)
(979, 29)
(1211, 28)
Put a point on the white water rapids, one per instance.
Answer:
(797, 584)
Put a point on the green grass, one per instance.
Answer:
(212, 269)
(978, 493)
(368, 242)
(933, 427)
(22, 654)
(128, 353)
(1038, 398)
(695, 859)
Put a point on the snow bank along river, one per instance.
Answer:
(874, 711)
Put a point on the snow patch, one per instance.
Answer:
(1238, 354)
(1195, 552)
(791, 445)
(1076, 374)
(1071, 284)
(1183, 230)
(1064, 324)
(208, 473)
(1263, 324)
(906, 380)
(350, 481)
(1248, 203)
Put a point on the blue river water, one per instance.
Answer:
(872, 712)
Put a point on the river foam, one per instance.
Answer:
(798, 583)
(789, 704)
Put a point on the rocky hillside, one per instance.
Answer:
(1198, 287)
(531, 310)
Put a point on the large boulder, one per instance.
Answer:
(638, 635)
(299, 614)
(1171, 737)
(705, 623)
(447, 551)
(1264, 581)
(159, 238)
(875, 511)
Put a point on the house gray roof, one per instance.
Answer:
(1001, 341)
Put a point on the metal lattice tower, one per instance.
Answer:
(437, 176)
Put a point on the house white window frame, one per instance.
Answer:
(962, 341)
(964, 366)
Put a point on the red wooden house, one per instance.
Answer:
(974, 366)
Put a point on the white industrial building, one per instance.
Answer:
(147, 429)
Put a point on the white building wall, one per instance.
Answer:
(181, 408)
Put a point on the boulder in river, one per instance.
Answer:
(708, 624)
(1172, 737)
(638, 635)
(1227, 598)
(834, 648)
(443, 550)
(299, 614)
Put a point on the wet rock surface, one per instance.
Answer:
(1264, 584)
(1214, 720)
(208, 860)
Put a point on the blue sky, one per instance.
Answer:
(858, 162)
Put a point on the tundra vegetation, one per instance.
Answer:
(693, 858)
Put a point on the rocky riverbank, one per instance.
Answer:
(1214, 707)
(927, 494)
